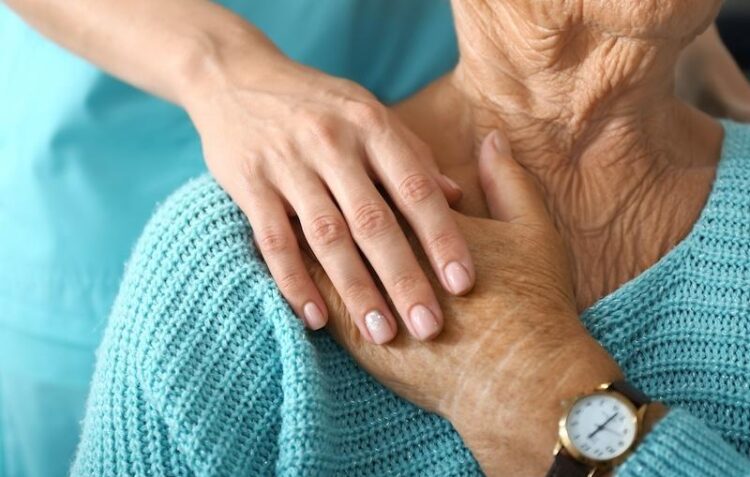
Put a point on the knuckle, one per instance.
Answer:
(292, 282)
(325, 130)
(281, 150)
(351, 89)
(327, 230)
(443, 243)
(406, 284)
(356, 291)
(416, 188)
(251, 166)
(273, 242)
(367, 114)
(372, 219)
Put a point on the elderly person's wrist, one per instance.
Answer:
(522, 440)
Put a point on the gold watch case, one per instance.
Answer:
(565, 443)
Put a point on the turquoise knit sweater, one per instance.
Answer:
(204, 370)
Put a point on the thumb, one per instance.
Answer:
(511, 192)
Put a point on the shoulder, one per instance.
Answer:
(193, 274)
(190, 348)
(725, 219)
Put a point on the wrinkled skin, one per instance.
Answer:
(624, 165)
(510, 342)
(593, 123)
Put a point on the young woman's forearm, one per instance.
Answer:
(165, 47)
(275, 132)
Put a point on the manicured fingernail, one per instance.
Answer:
(378, 326)
(423, 322)
(452, 183)
(313, 316)
(457, 278)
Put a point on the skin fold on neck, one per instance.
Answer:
(625, 167)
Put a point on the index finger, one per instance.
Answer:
(400, 165)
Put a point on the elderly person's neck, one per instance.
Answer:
(625, 166)
(560, 84)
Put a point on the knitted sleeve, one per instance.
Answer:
(201, 356)
(188, 376)
(681, 445)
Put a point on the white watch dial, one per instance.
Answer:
(601, 426)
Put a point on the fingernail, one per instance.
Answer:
(378, 326)
(457, 278)
(313, 316)
(452, 183)
(423, 322)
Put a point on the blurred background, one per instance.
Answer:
(734, 25)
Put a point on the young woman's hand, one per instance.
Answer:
(286, 140)
(513, 349)
(709, 78)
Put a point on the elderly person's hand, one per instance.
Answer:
(708, 77)
(512, 350)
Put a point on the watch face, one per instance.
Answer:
(601, 427)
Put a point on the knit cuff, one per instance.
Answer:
(681, 445)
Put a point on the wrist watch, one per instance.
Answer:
(598, 430)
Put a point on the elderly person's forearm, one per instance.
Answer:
(513, 350)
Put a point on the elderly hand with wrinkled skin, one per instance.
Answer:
(497, 365)
(623, 175)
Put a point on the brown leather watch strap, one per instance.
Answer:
(630, 392)
(566, 466)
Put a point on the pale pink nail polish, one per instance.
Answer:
(313, 316)
(378, 326)
(423, 322)
(457, 278)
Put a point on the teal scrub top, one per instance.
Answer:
(84, 160)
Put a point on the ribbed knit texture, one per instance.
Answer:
(204, 370)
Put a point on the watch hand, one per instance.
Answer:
(602, 426)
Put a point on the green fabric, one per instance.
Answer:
(204, 370)
(84, 159)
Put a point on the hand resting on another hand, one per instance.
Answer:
(513, 349)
